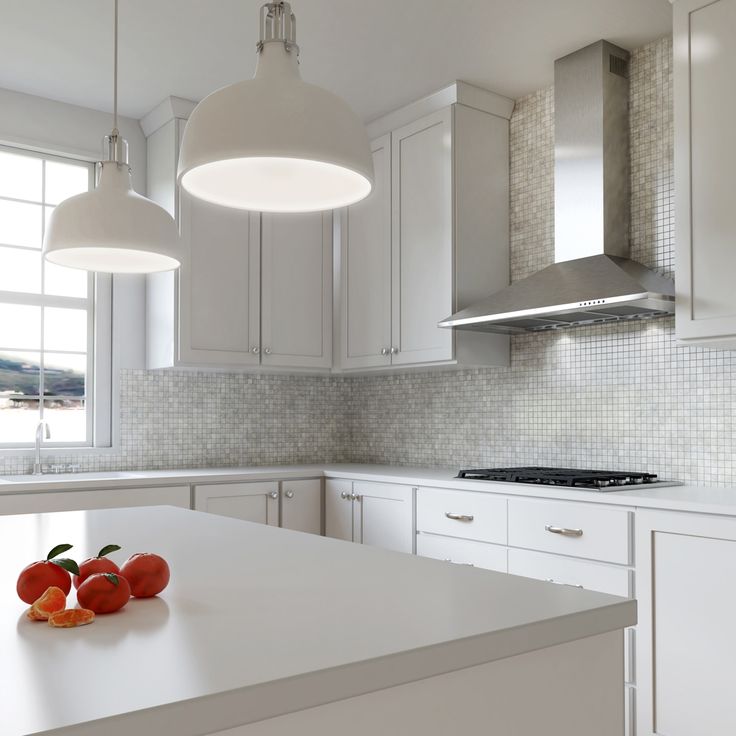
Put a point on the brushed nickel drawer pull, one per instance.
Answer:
(459, 517)
(452, 562)
(563, 531)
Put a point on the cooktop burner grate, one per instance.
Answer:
(571, 477)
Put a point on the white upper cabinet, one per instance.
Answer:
(432, 237)
(421, 230)
(296, 290)
(219, 285)
(252, 291)
(705, 159)
(365, 246)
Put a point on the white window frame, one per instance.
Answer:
(98, 303)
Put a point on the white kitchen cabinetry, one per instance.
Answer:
(296, 290)
(301, 505)
(686, 568)
(377, 514)
(252, 291)
(98, 498)
(463, 552)
(258, 502)
(705, 159)
(432, 237)
(293, 504)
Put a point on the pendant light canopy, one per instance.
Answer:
(112, 228)
(275, 143)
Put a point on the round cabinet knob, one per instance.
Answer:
(273, 494)
(255, 350)
(384, 351)
(289, 494)
(394, 351)
(344, 495)
(267, 351)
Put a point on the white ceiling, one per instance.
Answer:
(377, 54)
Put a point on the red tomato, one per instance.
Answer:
(103, 592)
(148, 574)
(97, 564)
(35, 579)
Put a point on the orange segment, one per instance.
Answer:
(34, 616)
(54, 599)
(71, 617)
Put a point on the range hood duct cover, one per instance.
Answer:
(592, 280)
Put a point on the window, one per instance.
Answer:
(47, 313)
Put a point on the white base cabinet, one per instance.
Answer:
(293, 504)
(98, 498)
(377, 514)
(686, 568)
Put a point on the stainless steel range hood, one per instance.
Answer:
(593, 279)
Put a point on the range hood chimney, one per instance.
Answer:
(593, 279)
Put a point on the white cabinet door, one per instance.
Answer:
(296, 304)
(301, 505)
(339, 509)
(98, 498)
(257, 502)
(422, 239)
(384, 516)
(365, 264)
(705, 159)
(463, 552)
(219, 285)
(685, 572)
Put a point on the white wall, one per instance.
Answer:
(55, 127)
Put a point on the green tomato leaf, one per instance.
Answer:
(58, 550)
(112, 578)
(67, 564)
(107, 549)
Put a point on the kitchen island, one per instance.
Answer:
(264, 631)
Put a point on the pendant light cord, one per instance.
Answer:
(115, 75)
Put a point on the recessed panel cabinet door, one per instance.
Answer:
(384, 516)
(301, 505)
(422, 235)
(257, 502)
(219, 285)
(686, 639)
(366, 269)
(339, 509)
(296, 252)
(705, 159)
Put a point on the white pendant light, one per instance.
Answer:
(275, 143)
(112, 228)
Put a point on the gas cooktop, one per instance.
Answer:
(595, 480)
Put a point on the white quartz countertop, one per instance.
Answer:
(256, 622)
(697, 499)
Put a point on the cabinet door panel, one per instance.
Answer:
(463, 552)
(705, 106)
(246, 501)
(301, 505)
(338, 509)
(365, 241)
(384, 516)
(297, 290)
(422, 225)
(219, 285)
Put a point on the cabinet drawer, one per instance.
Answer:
(589, 575)
(462, 552)
(576, 529)
(479, 516)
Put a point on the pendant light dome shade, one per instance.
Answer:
(112, 228)
(276, 143)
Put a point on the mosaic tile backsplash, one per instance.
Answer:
(616, 397)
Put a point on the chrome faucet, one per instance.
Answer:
(42, 431)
